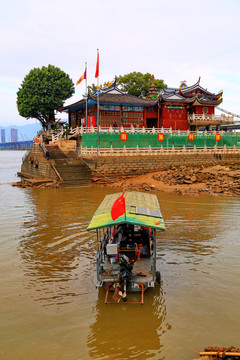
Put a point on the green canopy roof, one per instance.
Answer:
(142, 209)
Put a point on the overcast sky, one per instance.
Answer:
(174, 40)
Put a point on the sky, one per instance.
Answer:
(174, 40)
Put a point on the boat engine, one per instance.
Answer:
(125, 273)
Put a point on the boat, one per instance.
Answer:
(215, 352)
(126, 225)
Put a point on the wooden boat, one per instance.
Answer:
(126, 257)
(215, 352)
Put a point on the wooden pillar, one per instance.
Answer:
(145, 118)
(121, 115)
(69, 119)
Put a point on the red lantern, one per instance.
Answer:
(191, 137)
(123, 136)
(217, 137)
(161, 137)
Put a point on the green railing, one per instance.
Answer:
(176, 139)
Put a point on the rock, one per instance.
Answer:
(211, 180)
(94, 179)
(218, 191)
(187, 181)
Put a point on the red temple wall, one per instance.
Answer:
(151, 115)
(177, 119)
(175, 124)
(199, 110)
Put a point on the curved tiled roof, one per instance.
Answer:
(75, 105)
(196, 87)
(125, 99)
(113, 97)
(176, 98)
(189, 95)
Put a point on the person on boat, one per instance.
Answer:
(119, 234)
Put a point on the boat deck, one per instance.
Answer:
(141, 271)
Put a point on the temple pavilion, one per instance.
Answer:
(183, 108)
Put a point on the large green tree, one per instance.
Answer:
(138, 84)
(42, 92)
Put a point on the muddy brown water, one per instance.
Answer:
(50, 308)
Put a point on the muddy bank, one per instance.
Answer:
(214, 180)
(37, 183)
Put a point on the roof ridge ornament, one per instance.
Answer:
(183, 85)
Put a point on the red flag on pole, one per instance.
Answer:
(118, 207)
(97, 65)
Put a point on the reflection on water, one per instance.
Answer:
(50, 308)
(125, 331)
(57, 248)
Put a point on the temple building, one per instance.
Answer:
(183, 108)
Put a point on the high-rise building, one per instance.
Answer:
(14, 135)
(3, 138)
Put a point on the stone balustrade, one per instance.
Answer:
(156, 151)
(204, 120)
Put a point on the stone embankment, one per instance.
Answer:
(193, 171)
(48, 166)
(212, 180)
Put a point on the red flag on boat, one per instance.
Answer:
(118, 207)
(97, 66)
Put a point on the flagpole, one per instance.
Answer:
(86, 96)
(125, 203)
(98, 107)
(98, 99)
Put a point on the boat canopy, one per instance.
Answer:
(142, 209)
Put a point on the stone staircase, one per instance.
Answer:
(70, 167)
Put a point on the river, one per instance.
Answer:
(51, 309)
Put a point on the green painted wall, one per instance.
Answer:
(173, 139)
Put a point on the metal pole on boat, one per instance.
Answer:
(86, 96)
(124, 203)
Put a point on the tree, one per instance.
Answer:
(138, 84)
(42, 92)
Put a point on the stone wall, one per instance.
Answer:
(65, 145)
(130, 165)
(36, 165)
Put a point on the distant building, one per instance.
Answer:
(3, 138)
(14, 135)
